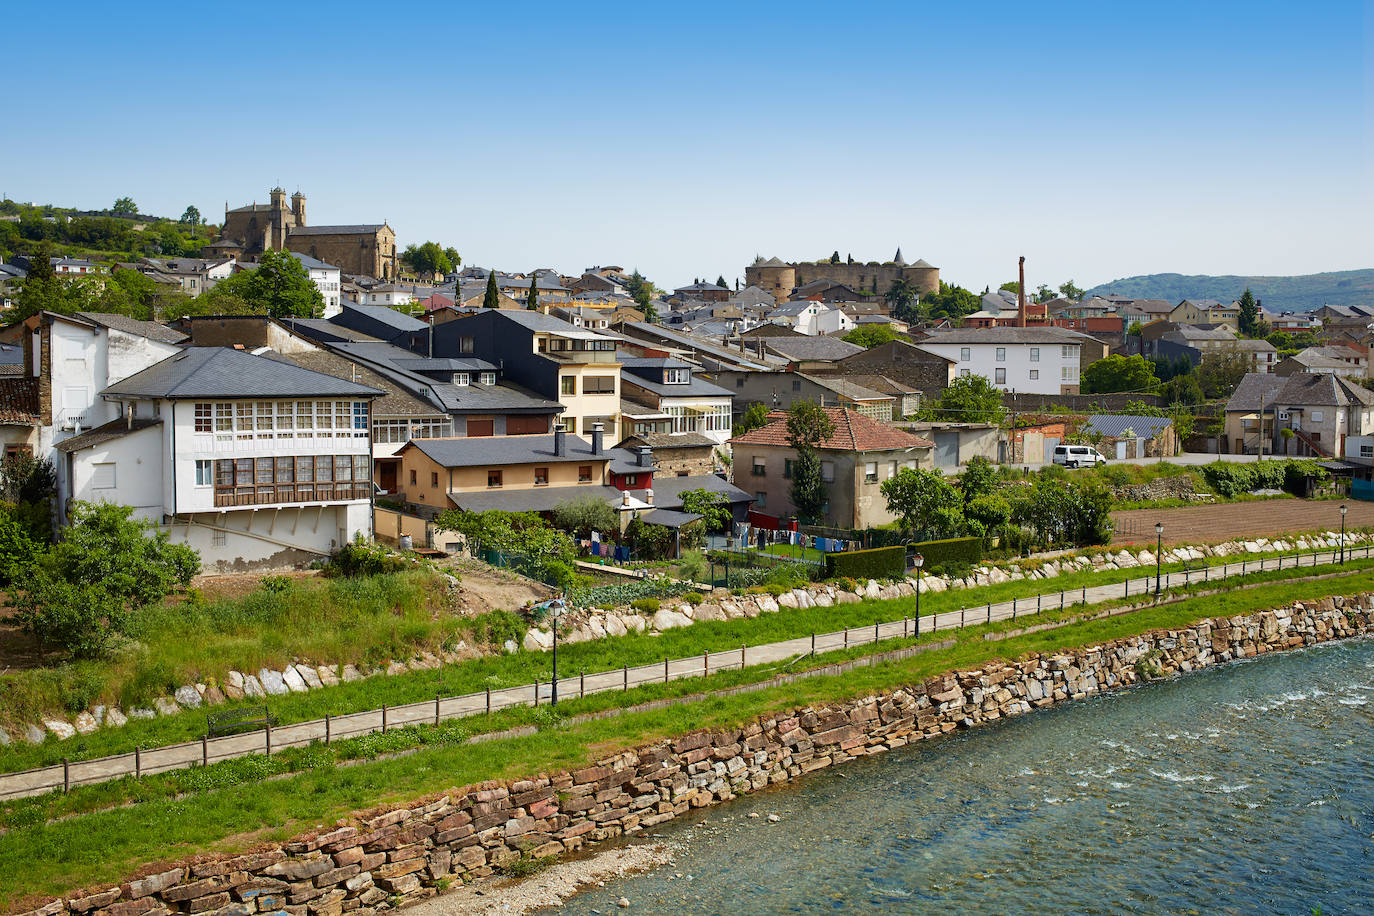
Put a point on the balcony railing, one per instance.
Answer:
(286, 493)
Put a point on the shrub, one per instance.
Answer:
(877, 563)
(951, 553)
(645, 605)
(693, 598)
(359, 558)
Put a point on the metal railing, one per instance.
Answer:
(141, 762)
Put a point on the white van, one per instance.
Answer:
(1075, 456)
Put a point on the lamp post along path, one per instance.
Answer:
(1159, 549)
(1343, 511)
(918, 561)
(556, 609)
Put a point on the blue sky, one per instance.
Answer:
(1098, 139)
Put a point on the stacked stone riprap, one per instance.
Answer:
(402, 855)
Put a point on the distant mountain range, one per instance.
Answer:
(1279, 294)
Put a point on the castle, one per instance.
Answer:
(359, 250)
(780, 278)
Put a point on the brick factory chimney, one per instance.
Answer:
(1021, 293)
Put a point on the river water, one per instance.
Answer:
(1242, 789)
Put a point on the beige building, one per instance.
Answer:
(780, 278)
(854, 462)
(1206, 311)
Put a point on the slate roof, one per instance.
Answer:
(1247, 395)
(1007, 335)
(384, 315)
(149, 329)
(533, 499)
(669, 518)
(396, 402)
(18, 400)
(827, 349)
(1116, 424)
(851, 390)
(223, 372)
(668, 490)
(1322, 389)
(108, 432)
(694, 388)
(493, 450)
(881, 383)
(657, 441)
(854, 432)
(308, 262)
(352, 229)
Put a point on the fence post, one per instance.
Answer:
(1037, 602)
(536, 693)
(326, 729)
(1061, 599)
(741, 656)
(1084, 598)
(665, 669)
(625, 669)
(813, 642)
(961, 616)
(138, 761)
(875, 632)
(989, 612)
(904, 627)
(436, 709)
(383, 718)
(1013, 607)
(846, 637)
(267, 737)
(705, 662)
(205, 750)
(582, 684)
(66, 776)
(488, 699)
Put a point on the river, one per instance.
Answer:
(1242, 789)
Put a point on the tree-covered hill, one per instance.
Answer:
(1279, 294)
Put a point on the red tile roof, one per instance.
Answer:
(854, 432)
(18, 400)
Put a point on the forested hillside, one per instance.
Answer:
(1297, 294)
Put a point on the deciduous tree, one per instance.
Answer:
(968, 399)
(1069, 291)
(870, 335)
(713, 507)
(1119, 373)
(925, 501)
(278, 286)
(754, 416)
(125, 206)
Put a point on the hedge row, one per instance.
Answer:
(877, 563)
(1229, 480)
(951, 553)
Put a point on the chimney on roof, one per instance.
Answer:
(598, 434)
(645, 457)
(1021, 293)
(560, 441)
(649, 496)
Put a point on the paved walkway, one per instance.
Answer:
(332, 728)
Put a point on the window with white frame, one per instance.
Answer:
(1317, 416)
(1068, 352)
(429, 429)
(1068, 373)
(487, 378)
(1001, 354)
(1001, 376)
(103, 475)
(1034, 374)
(828, 471)
(390, 432)
(1035, 354)
(205, 472)
(965, 354)
(460, 379)
(965, 373)
(676, 376)
(204, 415)
(718, 419)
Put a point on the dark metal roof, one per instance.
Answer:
(223, 372)
(149, 329)
(353, 229)
(1116, 424)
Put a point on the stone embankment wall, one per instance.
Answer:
(402, 855)
(721, 604)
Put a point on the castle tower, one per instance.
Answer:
(774, 276)
(298, 209)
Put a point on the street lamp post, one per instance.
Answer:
(1159, 549)
(1343, 508)
(556, 608)
(919, 561)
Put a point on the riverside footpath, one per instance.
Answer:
(68, 775)
(393, 857)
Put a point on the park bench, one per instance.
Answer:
(231, 720)
(1192, 566)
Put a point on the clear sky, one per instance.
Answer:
(1098, 139)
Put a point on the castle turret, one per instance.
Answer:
(298, 208)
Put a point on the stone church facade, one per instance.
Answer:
(366, 249)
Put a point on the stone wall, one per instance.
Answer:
(388, 858)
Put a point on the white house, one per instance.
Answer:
(392, 295)
(664, 394)
(812, 318)
(1042, 360)
(327, 279)
(254, 462)
(196, 275)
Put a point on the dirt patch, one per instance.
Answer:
(1263, 518)
(240, 584)
(483, 589)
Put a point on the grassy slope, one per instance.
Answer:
(523, 667)
(103, 847)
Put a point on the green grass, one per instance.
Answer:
(796, 551)
(498, 671)
(86, 850)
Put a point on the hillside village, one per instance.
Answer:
(270, 436)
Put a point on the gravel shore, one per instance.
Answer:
(514, 897)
